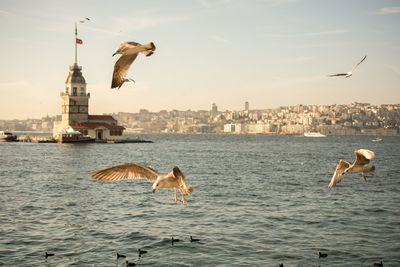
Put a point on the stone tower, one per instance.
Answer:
(75, 100)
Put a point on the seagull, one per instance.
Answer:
(83, 20)
(129, 51)
(175, 179)
(363, 157)
(347, 75)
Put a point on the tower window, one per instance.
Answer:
(74, 91)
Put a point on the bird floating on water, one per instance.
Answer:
(174, 240)
(141, 252)
(120, 256)
(129, 51)
(174, 179)
(322, 255)
(378, 264)
(350, 73)
(363, 157)
(46, 254)
(194, 239)
(127, 263)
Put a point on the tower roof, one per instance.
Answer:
(75, 75)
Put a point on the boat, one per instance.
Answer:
(75, 137)
(377, 139)
(314, 134)
(7, 137)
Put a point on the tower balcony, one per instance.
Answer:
(81, 94)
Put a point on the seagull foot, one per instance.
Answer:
(184, 200)
(176, 198)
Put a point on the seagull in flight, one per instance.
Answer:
(350, 73)
(129, 51)
(174, 179)
(363, 156)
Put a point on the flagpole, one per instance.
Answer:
(76, 36)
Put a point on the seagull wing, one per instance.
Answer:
(182, 181)
(338, 175)
(148, 49)
(121, 67)
(363, 156)
(339, 74)
(125, 171)
(358, 63)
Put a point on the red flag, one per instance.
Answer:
(79, 41)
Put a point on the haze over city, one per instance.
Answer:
(267, 52)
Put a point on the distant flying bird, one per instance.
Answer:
(129, 51)
(347, 75)
(175, 179)
(83, 20)
(363, 157)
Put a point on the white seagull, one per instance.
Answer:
(347, 75)
(363, 157)
(175, 179)
(129, 51)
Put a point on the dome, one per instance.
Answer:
(75, 75)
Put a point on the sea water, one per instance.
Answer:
(257, 201)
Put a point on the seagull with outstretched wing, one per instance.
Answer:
(350, 73)
(174, 179)
(363, 157)
(129, 51)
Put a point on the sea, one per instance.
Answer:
(258, 201)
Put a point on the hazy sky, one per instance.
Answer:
(267, 52)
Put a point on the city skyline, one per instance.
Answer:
(270, 53)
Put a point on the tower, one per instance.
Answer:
(75, 100)
(246, 105)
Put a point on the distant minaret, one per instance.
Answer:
(246, 105)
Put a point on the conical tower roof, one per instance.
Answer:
(75, 75)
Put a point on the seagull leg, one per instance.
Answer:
(183, 197)
(363, 176)
(176, 198)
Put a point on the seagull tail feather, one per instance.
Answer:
(188, 190)
(371, 170)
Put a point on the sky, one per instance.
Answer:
(270, 53)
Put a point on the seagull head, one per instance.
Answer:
(156, 186)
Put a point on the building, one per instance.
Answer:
(246, 105)
(75, 111)
(214, 110)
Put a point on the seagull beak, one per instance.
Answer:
(114, 54)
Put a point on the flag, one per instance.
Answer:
(79, 41)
